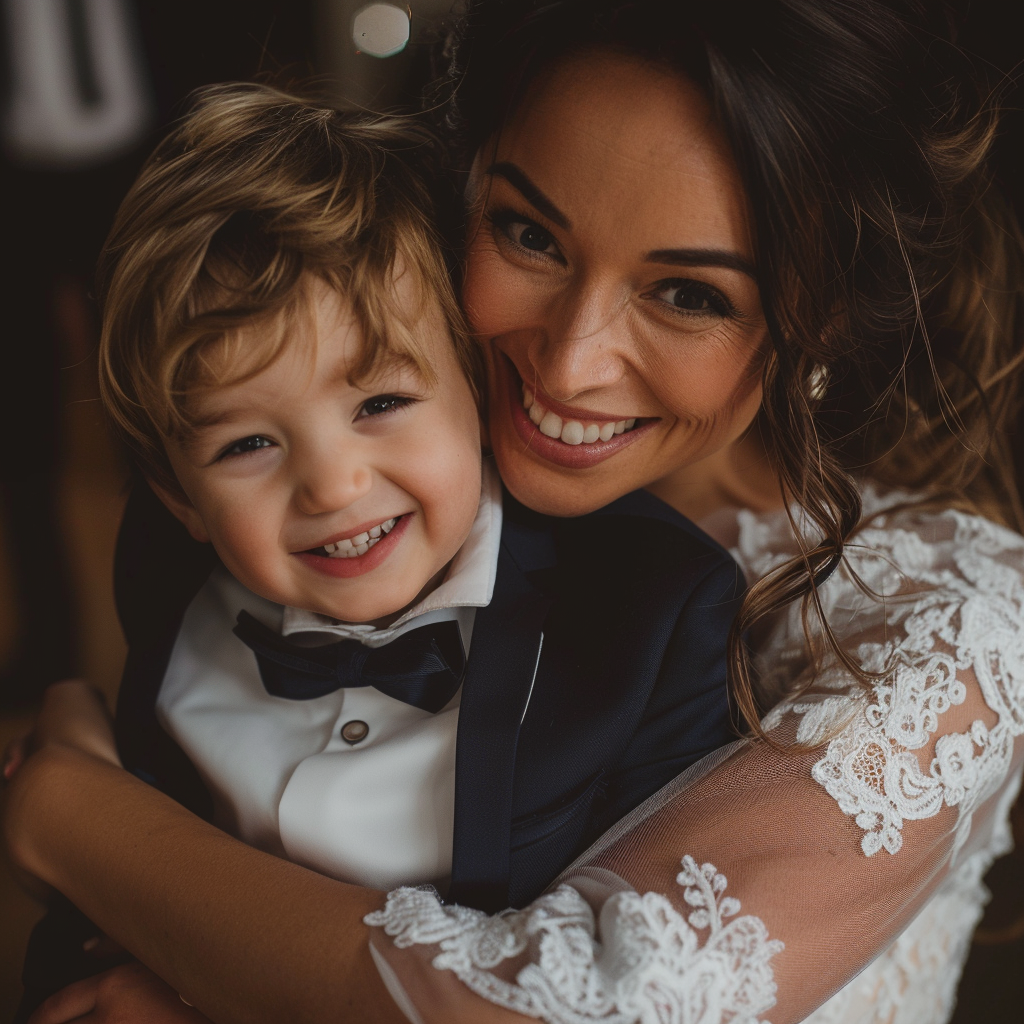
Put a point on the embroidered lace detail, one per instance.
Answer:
(946, 622)
(654, 965)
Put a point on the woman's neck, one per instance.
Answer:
(737, 476)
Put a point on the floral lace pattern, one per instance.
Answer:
(653, 968)
(959, 621)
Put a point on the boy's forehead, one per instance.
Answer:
(239, 381)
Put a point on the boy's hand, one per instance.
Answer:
(129, 994)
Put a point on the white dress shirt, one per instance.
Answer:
(379, 812)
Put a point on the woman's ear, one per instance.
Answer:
(183, 510)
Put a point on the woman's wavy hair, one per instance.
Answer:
(890, 268)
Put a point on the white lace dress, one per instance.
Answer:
(841, 884)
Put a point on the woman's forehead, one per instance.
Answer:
(607, 136)
(615, 94)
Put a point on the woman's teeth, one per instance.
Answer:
(353, 547)
(570, 431)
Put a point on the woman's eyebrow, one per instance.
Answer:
(519, 180)
(703, 258)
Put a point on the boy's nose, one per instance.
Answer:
(331, 484)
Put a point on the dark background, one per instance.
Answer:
(61, 483)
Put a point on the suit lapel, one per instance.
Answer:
(499, 678)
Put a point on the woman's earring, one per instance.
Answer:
(817, 382)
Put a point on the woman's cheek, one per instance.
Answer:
(496, 296)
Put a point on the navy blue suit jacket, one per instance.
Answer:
(596, 674)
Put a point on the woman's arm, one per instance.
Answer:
(244, 936)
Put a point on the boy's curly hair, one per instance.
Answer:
(253, 193)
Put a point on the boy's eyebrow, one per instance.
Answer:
(519, 180)
(213, 419)
(191, 440)
(703, 258)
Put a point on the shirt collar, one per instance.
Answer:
(469, 582)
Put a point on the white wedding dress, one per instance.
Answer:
(837, 884)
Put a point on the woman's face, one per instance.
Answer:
(610, 278)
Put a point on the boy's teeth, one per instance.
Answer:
(353, 547)
(570, 431)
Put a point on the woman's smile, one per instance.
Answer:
(571, 437)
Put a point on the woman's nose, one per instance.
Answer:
(581, 346)
(331, 480)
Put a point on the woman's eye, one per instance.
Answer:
(525, 233)
(380, 404)
(248, 444)
(692, 297)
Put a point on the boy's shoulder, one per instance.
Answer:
(636, 541)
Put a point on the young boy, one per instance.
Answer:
(362, 657)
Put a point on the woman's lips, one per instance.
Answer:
(346, 568)
(570, 456)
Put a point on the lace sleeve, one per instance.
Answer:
(833, 884)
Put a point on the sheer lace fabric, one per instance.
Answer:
(837, 884)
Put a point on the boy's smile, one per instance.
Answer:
(351, 555)
(339, 496)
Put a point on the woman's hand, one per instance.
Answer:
(15, 754)
(73, 718)
(129, 994)
(74, 714)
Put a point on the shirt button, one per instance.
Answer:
(354, 732)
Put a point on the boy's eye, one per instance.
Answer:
(248, 444)
(380, 404)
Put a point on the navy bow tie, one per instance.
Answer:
(422, 667)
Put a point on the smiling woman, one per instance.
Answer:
(607, 309)
(749, 257)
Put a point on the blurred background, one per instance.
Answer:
(87, 86)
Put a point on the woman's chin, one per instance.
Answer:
(550, 489)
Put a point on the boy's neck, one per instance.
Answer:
(388, 620)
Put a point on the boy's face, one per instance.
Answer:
(295, 460)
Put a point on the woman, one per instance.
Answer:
(767, 235)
